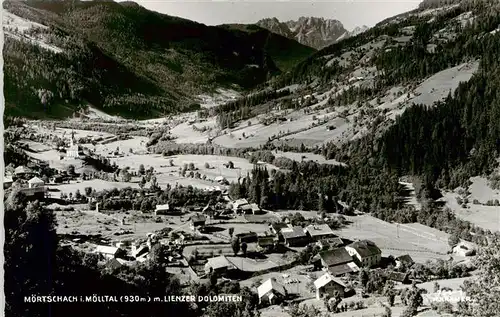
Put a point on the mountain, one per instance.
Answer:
(417, 93)
(311, 31)
(127, 60)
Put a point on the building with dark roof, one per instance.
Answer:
(365, 253)
(276, 227)
(294, 236)
(337, 262)
(398, 277)
(271, 292)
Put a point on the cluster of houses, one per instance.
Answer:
(31, 184)
(126, 253)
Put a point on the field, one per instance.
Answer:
(486, 217)
(420, 242)
(97, 184)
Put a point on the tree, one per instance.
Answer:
(485, 289)
(244, 247)
(78, 195)
(235, 245)
(88, 191)
(142, 183)
(230, 231)
(71, 169)
(207, 166)
(171, 162)
(453, 239)
(142, 169)
(230, 164)
(363, 277)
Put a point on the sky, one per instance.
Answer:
(351, 13)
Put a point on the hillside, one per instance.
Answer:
(311, 31)
(127, 60)
(417, 94)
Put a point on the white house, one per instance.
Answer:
(107, 252)
(328, 285)
(35, 182)
(162, 209)
(271, 292)
(365, 253)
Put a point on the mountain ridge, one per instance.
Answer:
(314, 32)
(171, 59)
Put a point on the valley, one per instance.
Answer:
(352, 175)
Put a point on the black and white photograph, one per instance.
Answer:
(216, 158)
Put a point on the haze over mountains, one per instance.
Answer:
(311, 31)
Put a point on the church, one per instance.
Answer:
(74, 150)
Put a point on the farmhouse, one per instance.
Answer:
(464, 249)
(22, 171)
(198, 221)
(404, 260)
(398, 277)
(219, 265)
(240, 204)
(271, 292)
(247, 237)
(267, 244)
(365, 253)
(325, 244)
(294, 236)
(116, 263)
(328, 285)
(317, 232)
(35, 182)
(162, 209)
(109, 252)
(276, 227)
(337, 262)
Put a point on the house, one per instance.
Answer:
(197, 221)
(267, 244)
(464, 248)
(325, 244)
(246, 209)
(271, 292)
(276, 227)
(22, 171)
(294, 236)
(247, 237)
(109, 252)
(398, 277)
(162, 209)
(365, 253)
(116, 263)
(35, 182)
(329, 285)
(336, 261)
(404, 260)
(239, 203)
(255, 208)
(317, 232)
(7, 182)
(219, 265)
